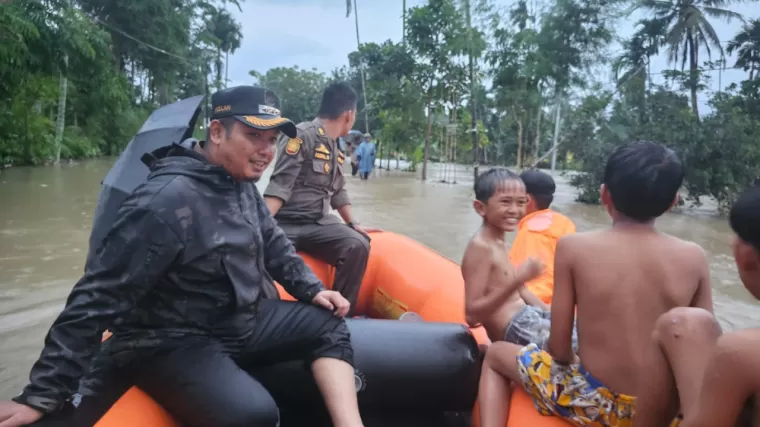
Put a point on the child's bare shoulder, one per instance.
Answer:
(735, 357)
(477, 248)
(578, 241)
(741, 345)
(687, 249)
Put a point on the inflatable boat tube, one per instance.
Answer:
(403, 276)
(395, 369)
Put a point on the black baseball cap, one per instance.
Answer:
(538, 183)
(253, 106)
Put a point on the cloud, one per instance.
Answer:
(261, 54)
(317, 34)
(718, 79)
(309, 33)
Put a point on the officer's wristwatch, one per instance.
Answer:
(352, 224)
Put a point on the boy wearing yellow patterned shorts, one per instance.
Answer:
(620, 280)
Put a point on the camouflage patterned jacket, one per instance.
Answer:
(186, 258)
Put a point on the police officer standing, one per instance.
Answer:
(308, 180)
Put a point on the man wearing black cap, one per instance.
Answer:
(182, 280)
(308, 182)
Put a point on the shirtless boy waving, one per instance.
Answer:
(621, 280)
(495, 292)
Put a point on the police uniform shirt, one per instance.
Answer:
(308, 175)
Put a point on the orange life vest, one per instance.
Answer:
(537, 237)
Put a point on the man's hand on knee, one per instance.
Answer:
(332, 301)
(366, 230)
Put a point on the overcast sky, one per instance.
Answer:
(317, 34)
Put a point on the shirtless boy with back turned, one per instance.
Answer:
(622, 280)
(495, 295)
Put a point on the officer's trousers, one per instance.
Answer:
(338, 245)
(203, 384)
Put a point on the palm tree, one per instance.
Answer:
(746, 43)
(228, 35)
(687, 30)
(634, 64)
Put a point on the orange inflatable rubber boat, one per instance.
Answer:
(402, 276)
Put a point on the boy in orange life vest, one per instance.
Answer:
(539, 231)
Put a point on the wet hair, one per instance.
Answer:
(745, 217)
(643, 179)
(226, 122)
(487, 183)
(540, 186)
(336, 100)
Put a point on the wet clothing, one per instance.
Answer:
(572, 393)
(309, 178)
(338, 245)
(188, 259)
(537, 236)
(366, 154)
(531, 325)
(351, 154)
(203, 384)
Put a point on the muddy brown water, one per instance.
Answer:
(46, 214)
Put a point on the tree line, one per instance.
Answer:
(78, 77)
(79, 64)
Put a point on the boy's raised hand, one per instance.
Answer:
(530, 269)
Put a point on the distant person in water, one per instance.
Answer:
(353, 156)
(366, 155)
(539, 231)
(495, 295)
(620, 280)
(712, 377)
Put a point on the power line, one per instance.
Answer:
(157, 49)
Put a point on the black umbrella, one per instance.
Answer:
(169, 124)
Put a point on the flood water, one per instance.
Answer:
(46, 214)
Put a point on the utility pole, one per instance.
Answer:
(473, 106)
(361, 69)
(403, 18)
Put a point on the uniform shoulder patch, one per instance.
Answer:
(293, 146)
(540, 222)
(320, 131)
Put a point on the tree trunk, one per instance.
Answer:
(693, 78)
(537, 141)
(519, 142)
(226, 68)
(426, 150)
(218, 69)
(475, 137)
(60, 122)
